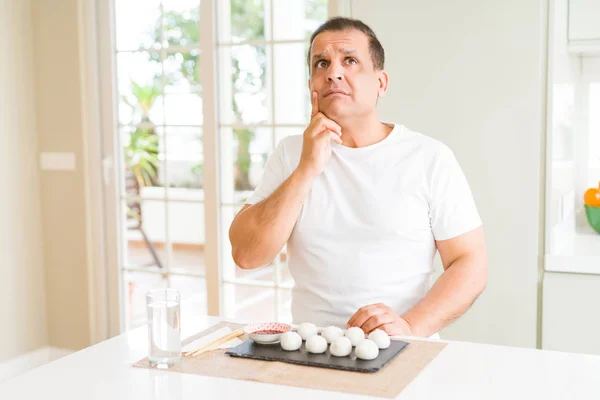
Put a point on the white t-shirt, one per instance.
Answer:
(366, 233)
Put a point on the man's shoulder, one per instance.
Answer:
(292, 141)
(290, 146)
(427, 145)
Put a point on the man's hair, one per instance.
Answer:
(344, 24)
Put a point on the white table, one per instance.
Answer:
(461, 371)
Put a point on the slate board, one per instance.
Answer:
(274, 352)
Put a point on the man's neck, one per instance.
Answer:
(362, 132)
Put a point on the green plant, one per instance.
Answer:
(141, 153)
(141, 156)
(144, 98)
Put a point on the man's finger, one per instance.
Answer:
(352, 320)
(377, 321)
(335, 137)
(314, 101)
(363, 316)
(321, 124)
(326, 123)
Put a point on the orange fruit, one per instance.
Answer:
(592, 197)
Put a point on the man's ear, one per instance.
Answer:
(384, 80)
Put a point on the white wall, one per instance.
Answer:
(470, 73)
(583, 20)
(570, 323)
(60, 127)
(22, 293)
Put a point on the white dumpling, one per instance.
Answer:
(341, 347)
(355, 334)
(381, 339)
(367, 350)
(331, 333)
(316, 344)
(306, 330)
(291, 341)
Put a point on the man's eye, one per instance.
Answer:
(321, 64)
(351, 60)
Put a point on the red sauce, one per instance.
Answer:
(266, 332)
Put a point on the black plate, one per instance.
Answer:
(274, 352)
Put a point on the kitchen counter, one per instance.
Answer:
(461, 371)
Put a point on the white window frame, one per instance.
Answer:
(99, 103)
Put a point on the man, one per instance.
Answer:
(363, 205)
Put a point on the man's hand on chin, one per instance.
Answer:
(379, 316)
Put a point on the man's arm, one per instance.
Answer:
(259, 231)
(465, 276)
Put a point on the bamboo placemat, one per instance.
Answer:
(388, 382)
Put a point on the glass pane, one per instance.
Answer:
(183, 109)
(140, 88)
(181, 22)
(144, 225)
(244, 152)
(594, 134)
(282, 133)
(186, 231)
(137, 24)
(249, 303)
(183, 102)
(193, 290)
(297, 19)
(135, 287)
(246, 22)
(244, 89)
(182, 73)
(228, 267)
(184, 160)
(292, 101)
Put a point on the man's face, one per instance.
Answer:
(343, 75)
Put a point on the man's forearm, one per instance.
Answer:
(451, 295)
(259, 232)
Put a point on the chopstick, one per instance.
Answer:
(215, 343)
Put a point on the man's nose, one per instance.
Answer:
(334, 74)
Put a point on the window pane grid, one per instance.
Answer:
(259, 283)
(158, 271)
(260, 42)
(163, 83)
(168, 151)
(164, 126)
(162, 199)
(264, 136)
(168, 50)
(280, 126)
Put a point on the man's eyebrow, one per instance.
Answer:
(344, 51)
(318, 55)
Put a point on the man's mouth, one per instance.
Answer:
(334, 92)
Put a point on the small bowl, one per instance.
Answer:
(593, 216)
(266, 332)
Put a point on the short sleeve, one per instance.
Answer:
(273, 176)
(452, 209)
